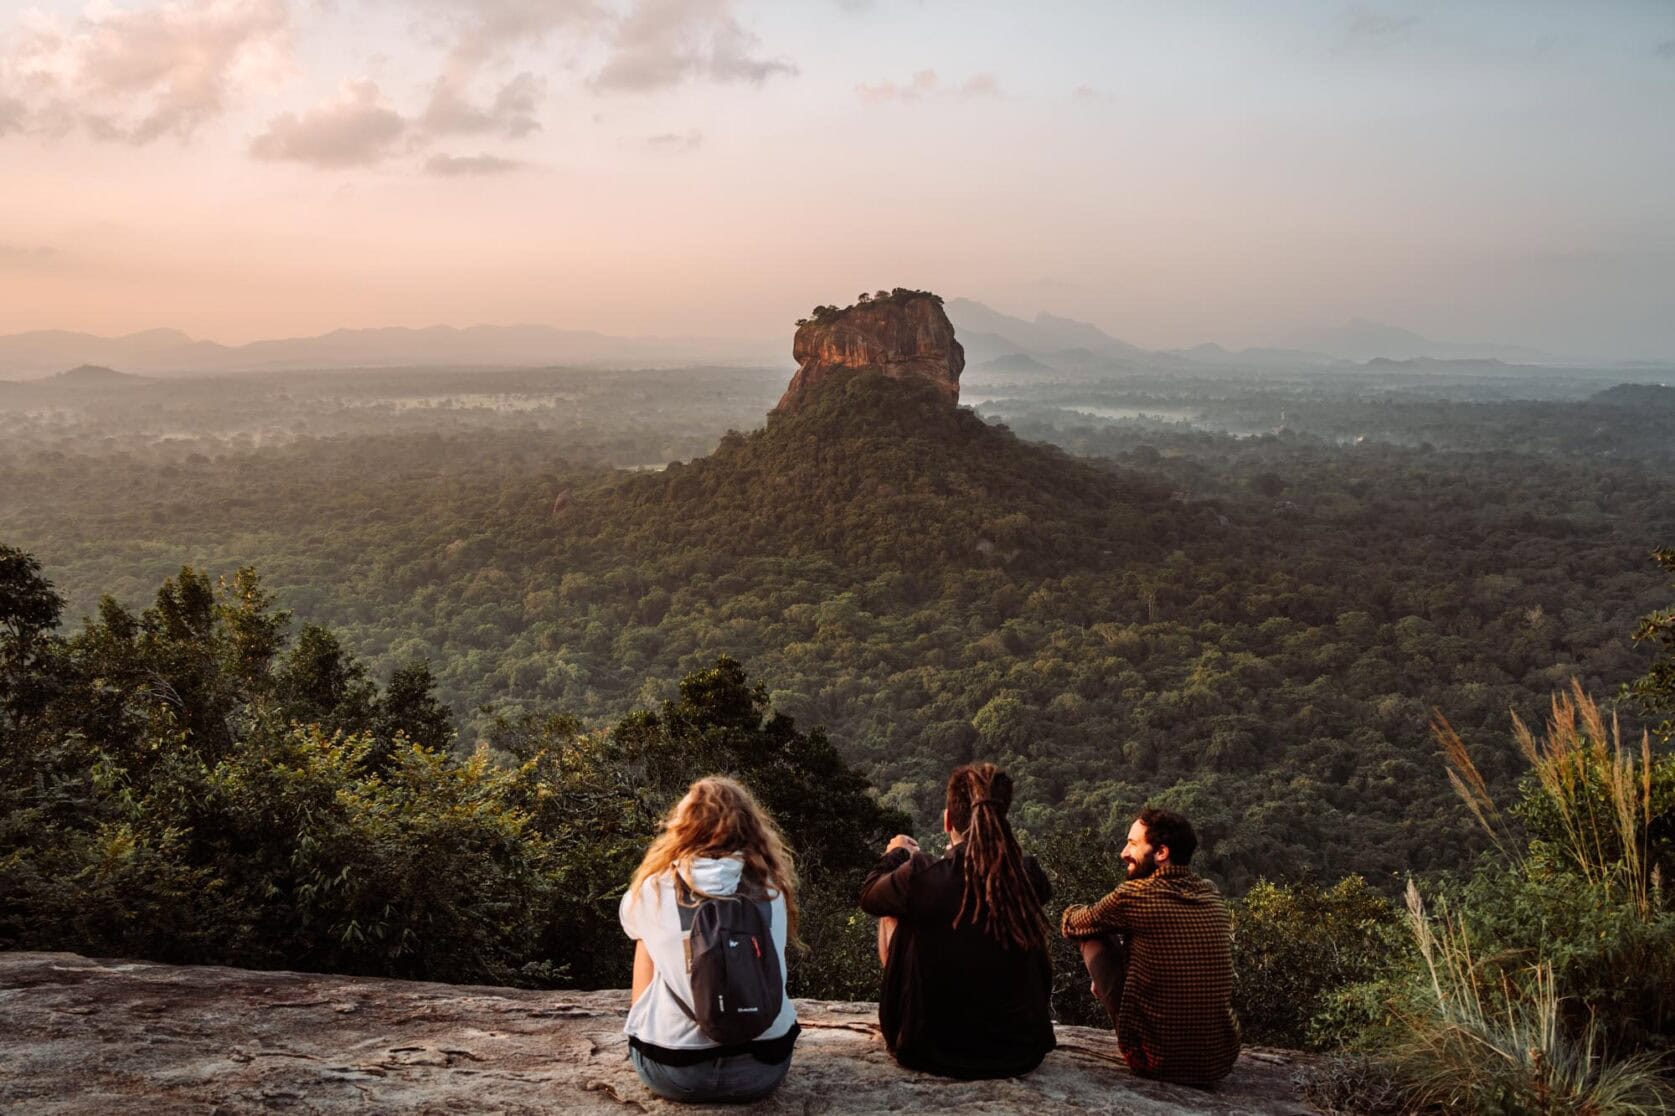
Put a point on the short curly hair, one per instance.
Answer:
(1167, 829)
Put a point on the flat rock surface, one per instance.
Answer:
(88, 1036)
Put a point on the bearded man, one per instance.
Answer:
(1160, 951)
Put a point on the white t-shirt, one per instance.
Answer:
(651, 916)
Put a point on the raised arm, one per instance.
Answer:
(884, 894)
(1114, 912)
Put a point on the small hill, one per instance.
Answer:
(1641, 397)
(91, 375)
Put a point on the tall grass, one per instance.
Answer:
(1482, 1044)
(1491, 1033)
(1599, 791)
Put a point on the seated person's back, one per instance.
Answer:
(967, 978)
(1160, 951)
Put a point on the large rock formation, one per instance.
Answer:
(905, 336)
(83, 1036)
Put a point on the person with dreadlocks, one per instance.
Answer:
(963, 941)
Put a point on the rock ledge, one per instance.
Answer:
(87, 1036)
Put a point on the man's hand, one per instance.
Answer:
(902, 841)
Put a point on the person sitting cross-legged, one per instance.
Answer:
(710, 910)
(963, 941)
(1159, 949)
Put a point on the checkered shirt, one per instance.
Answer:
(1176, 1018)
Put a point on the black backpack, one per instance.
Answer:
(737, 988)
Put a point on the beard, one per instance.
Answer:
(1140, 869)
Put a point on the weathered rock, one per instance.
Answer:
(86, 1036)
(903, 337)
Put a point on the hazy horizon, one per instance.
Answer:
(252, 169)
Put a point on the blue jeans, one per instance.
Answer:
(739, 1078)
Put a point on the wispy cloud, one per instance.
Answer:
(13, 115)
(926, 85)
(1369, 28)
(1665, 49)
(486, 30)
(512, 112)
(482, 35)
(354, 128)
(461, 166)
(1089, 93)
(676, 141)
(662, 43)
(139, 74)
(28, 257)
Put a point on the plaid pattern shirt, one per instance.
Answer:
(1176, 1018)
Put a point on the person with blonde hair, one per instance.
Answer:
(710, 910)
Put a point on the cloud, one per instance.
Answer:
(459, 166)
(485, 30)
(1369, 28)
(661, 43)
(355, 128)
(926, 85)
(512, 112)
(13, 115)
(1665, 49)
(1088, 93)
(140, 74)
(676, 141)
(481, 34)
(28, 257)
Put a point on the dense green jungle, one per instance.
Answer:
(1256, 627)
(393, 673)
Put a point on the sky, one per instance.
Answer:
(1175, 171)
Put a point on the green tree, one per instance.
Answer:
(1655, 689)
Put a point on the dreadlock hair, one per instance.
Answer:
(998, 892)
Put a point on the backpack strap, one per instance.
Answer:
(686, 902)
(680, 1003)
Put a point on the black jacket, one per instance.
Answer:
(956, 1001)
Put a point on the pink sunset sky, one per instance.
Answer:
(1173, 172)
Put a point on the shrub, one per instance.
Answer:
(1546, 983)
(1297, 945)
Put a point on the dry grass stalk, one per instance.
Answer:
(1462, 1055)
(1600, 791)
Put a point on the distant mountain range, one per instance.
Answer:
(999, 342)
(1362, 340)
(170, 352)
(993, 341)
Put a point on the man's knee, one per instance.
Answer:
(1106, 960)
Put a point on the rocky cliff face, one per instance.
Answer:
(903, 337)
(85, 1036)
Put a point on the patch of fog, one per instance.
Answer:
(466, 401)
(238, 437)
(1157, 414)
(654, 467)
